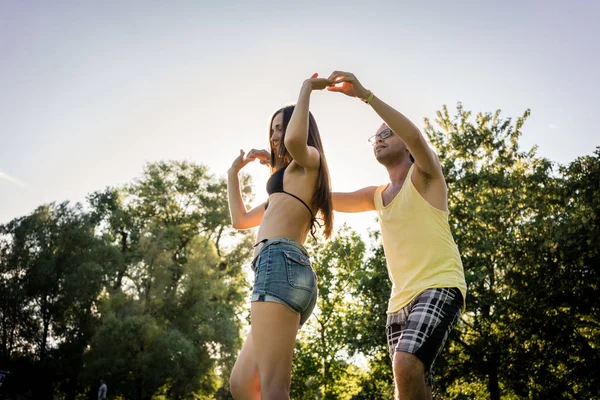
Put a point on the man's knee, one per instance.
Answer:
(408, 368)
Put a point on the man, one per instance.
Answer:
(102, 390)
(424, 265)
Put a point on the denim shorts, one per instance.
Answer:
(283, 274)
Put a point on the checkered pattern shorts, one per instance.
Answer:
(422, 327)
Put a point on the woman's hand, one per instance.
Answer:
(262, 155)
(242, 160)
(316, 83)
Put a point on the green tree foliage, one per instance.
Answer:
(494, 192)
(528, 237)
(321, 366)
(367, 333)
(55, 267)
(555, 309)
(509, 219)
(143, 290)
(177, 294)
(146, 288)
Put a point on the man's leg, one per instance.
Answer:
(409, 377)
(420, 338)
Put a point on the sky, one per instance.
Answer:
(91, 91)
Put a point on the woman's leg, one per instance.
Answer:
(274, 329)
(244, 381)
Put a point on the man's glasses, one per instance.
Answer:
(381, 135)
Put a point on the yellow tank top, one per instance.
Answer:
(419, 248)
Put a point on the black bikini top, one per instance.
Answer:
(275, 182)
(275, 185)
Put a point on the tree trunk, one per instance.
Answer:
(121, 272)
(326, 365)
(43, 345)
(4, 358)
(493, 385)
(71, 392)
(218, 239)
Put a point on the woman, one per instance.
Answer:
(285, 286)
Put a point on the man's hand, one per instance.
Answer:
(350, 85)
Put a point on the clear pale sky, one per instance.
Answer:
(90, 91)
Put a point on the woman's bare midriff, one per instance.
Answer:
(285, 217)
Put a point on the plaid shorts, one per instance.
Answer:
(422, 327)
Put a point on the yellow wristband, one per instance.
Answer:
(369, 98)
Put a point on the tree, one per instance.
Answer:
(54, 265)
(366, 334)
(555, 309)
(321, 367)
(172, 307)
(508, 222)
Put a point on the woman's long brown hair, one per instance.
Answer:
(322, 195)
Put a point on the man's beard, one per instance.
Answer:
(391, 158)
